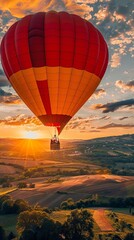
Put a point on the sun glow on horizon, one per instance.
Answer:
(31, 135)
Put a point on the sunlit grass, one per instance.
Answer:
(127, 218)
(4, 191)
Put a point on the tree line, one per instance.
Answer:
(10, 206)
(96, 201)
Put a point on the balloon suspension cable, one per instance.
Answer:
(56, 132)
(50, 133)
(55, 143)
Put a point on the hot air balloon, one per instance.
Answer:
(54, 61)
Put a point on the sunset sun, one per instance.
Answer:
(31, 135)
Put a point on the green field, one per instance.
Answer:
(8, 222)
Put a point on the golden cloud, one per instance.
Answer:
(86, 1)
(119, 17)
(102, 14)
(18, 8)
(21, 8)
(125, 86)
(99, 93)
(96, 106)
(21, 119)
(115, 60)
(10, 99)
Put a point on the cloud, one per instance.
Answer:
(125, 86)
(111, 107)
(131, 50)
(115, 60)
(115, 20)
(6, 20)
(4, 82)
(86, 1)
(1, 72)
(125, 72)
(9, 98)
(84, 123)
(21, 119)
(4, 94)
(13, 99)
(102, 14)
(113, 15)
(123, 43)
(100, 92)
(121, 8)
(96, 106)
(19, 8)
(121, 12)
(114, 125)
(3, 79)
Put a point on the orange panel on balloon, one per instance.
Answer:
(27, 89)
(19, 84)
(65, 88)
(87, 92)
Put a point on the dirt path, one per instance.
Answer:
(102, 220)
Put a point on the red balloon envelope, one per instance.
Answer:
(54, 61)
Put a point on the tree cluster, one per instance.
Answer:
(120, 225)
(10, 206)
(93, 201)
(43, 172)
(38, 225)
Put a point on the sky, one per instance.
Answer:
(110, 110)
